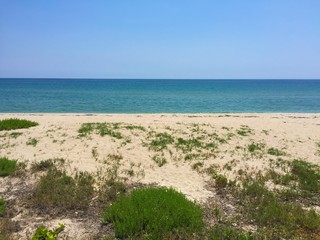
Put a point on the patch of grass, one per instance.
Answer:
(283, 218)
(14, 123)
(110, 191)
(161, 141)
(2, 206)
(15, 134)
(187, 145)
(102, 129)
(255, 147)
(32, 142)
(196, 166)
(153, 212)
(7, 166)
(58, 190)
(159, 160)
(221, 181)
(276, 152)
(45, 165)
(95, 153)
(244, 131)
(135, 127)
(307, 174)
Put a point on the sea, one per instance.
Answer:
(158, 96)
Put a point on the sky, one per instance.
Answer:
(193, 39)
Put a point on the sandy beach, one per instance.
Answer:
(222, 141)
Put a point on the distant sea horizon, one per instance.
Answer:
(83, 95)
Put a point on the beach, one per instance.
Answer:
(171, 150)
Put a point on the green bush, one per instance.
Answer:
(7, 167)
(153, 212)
(161, 141)
(57, 189)
(43, 233)
(276, 152)
(14, 123)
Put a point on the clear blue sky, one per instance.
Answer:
(160, 39)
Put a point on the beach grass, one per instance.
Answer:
(7, 166)
(2, 206)
(14, 123)
(58, 190)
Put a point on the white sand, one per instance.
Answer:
(296, 134)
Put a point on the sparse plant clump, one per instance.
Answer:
(57, 189)
(153, 212)
(2, 206)
(282, 218)
(15, 134)
(102, 129)
(255, 147)
(161, 141)
(43, 233)
(45, 165)
(276, 152)
(244, 131)
(196, 166)
(135, 127)
(159, 160)
(14, 123)
(7, 166)
(32, 142)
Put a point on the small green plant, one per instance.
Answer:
(255, 147)
(95, 153)
(43, 233)
(159, 160)
(196, 166)
(102, 129)
(14, 123)
(276, 152)
(45, 165)
(153, 212)
(161, 141)
(32, 142)
(137, 127)
(15, 134)
(57, 189)
(244, 131)
(221, 181)
(188, 145)
(2, 206)
(7, 166)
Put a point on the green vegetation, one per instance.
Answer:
(2, 206)
(45, 165)
(244, 131)
(153, 212)
(103, 129)
(307, 174)
(43, 233)
(7, 166)
(135, 127)
(255, 147)
(281, 218)
(15, 134)
(56, 189)
(276, 152)
(32, 142)
(159, 160)
(14, 123)
(161, 141)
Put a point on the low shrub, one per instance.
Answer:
(161, 141)
(43, 233)
(276, 152)
(14, 123)
(57, 189)
(7, 166)
(153, 212)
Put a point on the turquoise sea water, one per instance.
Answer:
(158, 96)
